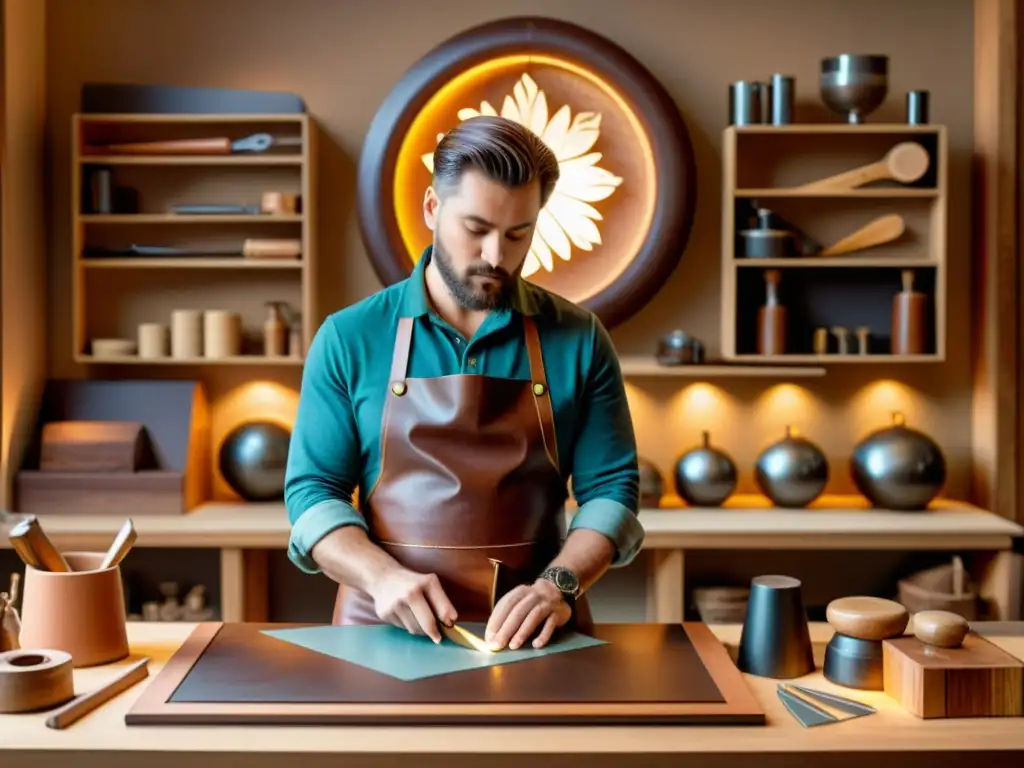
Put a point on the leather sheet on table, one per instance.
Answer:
(394, 652)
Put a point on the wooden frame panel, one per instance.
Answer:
(996, 321)
(739, 708)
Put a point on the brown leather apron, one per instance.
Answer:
(469, 487)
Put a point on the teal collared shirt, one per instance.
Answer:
(335, 443)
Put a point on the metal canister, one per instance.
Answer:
(745, 103)
(917, 107)
(783, 95)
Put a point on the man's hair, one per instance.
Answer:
(505, 151)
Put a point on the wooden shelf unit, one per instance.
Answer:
(764, 166)
(112, 294)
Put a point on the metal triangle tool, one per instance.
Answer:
(806, 714)
(851, 707)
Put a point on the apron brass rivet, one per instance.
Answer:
(398, 388)
(538, 389)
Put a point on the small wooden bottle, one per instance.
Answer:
(908, 318)
(275, 332)
(771, 319)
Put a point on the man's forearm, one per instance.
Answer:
(347, 556)
(586, 553)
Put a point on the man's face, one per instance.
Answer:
(482, 235)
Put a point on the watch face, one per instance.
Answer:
(566, 580)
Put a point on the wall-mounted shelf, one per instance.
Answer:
(767, 168)
(649, 367)
(203, 361)
(124, 208)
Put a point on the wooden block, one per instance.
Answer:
(91, 446)
(978, 679)
(149, 492)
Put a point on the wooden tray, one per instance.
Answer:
(645, 674)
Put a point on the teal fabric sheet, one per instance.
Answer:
(394, 652)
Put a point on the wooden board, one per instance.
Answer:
(975, 680)
(644, 674)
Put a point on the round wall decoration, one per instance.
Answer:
(620, 217)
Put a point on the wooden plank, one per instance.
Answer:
(996, 360)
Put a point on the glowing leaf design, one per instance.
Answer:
(568, 220)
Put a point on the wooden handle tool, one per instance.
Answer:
(906, 162)
(82, 705)
(120, 545)
(35, 549)
(214, 146)
(883, 229)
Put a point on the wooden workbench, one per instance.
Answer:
(244, 532)
(892, 736)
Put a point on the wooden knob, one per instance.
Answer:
(867, 618)
(940, 628)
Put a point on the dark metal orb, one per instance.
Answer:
(253, 458)
(792, 472)
(652, 484)
(705, 476)
(898, 467)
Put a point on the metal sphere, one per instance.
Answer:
(792, 472)
(253, 459)
(705, 476)
(898, 467)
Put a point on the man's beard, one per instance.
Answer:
(462, 289)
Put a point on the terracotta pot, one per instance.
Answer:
(81, 613)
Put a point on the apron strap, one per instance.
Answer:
(400, 356)
(541, 393)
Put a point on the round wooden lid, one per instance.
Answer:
(867, 618)
(940, 628)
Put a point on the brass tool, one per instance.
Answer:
(120, 545)
(820, 341)
(10, 623)
(466, 639)
(841, 339)
(862, 339)
(35, 549)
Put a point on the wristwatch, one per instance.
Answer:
(566, 581)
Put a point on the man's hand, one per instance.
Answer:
(414, 601)
(525, 609)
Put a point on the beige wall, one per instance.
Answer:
(343, 56)
(24, 261)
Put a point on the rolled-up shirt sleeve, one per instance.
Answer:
(323, 458)
(605, 469)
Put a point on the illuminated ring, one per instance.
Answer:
(674, 199)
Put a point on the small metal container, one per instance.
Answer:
(854, 663)
(679, 348)
(783, 95)
(775, 640)
(745, 103)
(917, 107)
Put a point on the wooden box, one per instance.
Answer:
(173, 476)
(977, 679)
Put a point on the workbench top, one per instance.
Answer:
(892, 736)
(746, 521)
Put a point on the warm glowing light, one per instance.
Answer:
(786, 405)
(447, 104)
(699, 406)
(263, 400)
(873, 406)
(568, 219)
